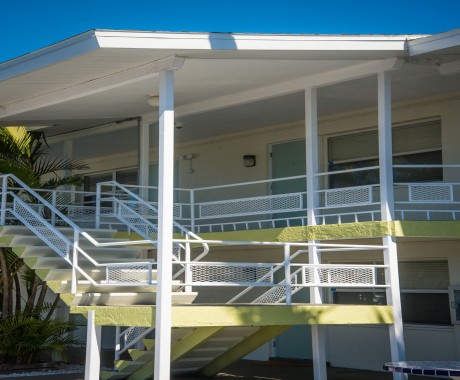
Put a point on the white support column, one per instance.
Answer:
(311, 140)
(318, 332)
(93, 348)
(387, 210)
(385, 146)
(144, 148)
(68, 153)
(165, 230)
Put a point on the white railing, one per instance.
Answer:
(244, 205)
(129, 337)
(435, 200)
(252, 205)
(274, 202)
(67, 248)
(252, 275)
(259, 278)
(343, 204)
(141, 216)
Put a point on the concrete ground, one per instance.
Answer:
(251, 370)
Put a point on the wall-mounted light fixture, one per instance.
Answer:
(249, 160)
(188, 157)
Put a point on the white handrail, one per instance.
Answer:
(69, 244)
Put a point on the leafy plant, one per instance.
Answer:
(28, 156)
(28, 330)
(23, 337)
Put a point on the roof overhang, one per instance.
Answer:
(106, 76)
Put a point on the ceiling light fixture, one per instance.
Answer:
(449, 68)
(154, 100)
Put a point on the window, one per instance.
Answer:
(412, 144)
(424, 294)
(124, 177)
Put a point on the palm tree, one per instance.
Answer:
(28, 156)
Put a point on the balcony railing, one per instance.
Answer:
(282, 202)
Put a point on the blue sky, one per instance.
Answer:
(29, 25)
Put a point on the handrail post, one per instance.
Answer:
(4, 195)
(287, 273)
(98, 205)
(188, 271)
(149, 274)
(117, 343)
(74, 261)
(192, 210)
(53, 203)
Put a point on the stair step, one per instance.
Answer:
(57, 262)
(139, 355)
(113, 375)
(115, 253)
(85, 286)
(65, 274)
(66, 231)
(149, 343)
(28, 240)
(131, 299)
(128, 365)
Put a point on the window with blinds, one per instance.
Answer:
(412, 144)
(424, 293)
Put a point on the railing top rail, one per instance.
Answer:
(427, 166)
(282, 244)
(347, 171)
(45, 202)
(347, 188)
(138, 198)
(249, 183)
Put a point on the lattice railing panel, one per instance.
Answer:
(137, 222)
(40, 226)
(132, 333)
(278, 293)
(431, 193)
(274, 295)
(129, 273)
(252, 206)
(348, 196)
(83, 213)
(230, 273)
(338, 275)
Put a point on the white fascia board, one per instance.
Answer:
(230, 41)
(435, 42)
(62, 51)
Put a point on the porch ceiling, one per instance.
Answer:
(218, 68)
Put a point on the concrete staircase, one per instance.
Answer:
(205, 350)
(57, 272)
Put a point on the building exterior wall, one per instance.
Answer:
(220, 161)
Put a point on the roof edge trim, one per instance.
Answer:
(231, 41)
(435, 42)
(61, 51)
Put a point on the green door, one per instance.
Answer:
(288, 160)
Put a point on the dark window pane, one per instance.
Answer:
(423, 308)
(359, 298)
(371, 177)
(427, 308)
